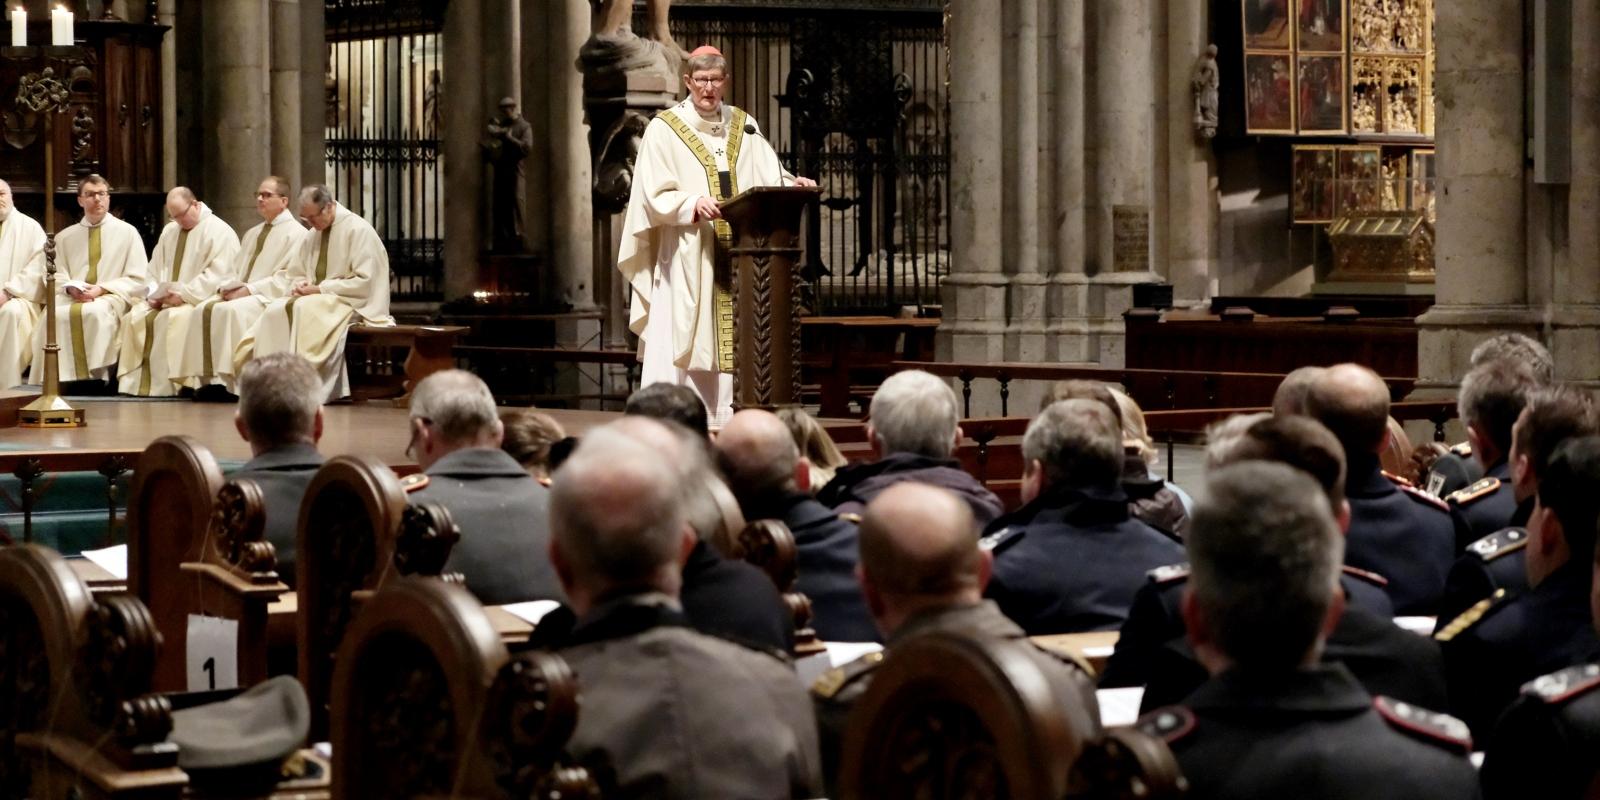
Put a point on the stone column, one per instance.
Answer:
(1192, 205)
(237, 138)
(464, 119)
(974, 293)
(1024, 124)
(1481, 255)
(313, 98)
(1067, 292)
(538, 71)
(286, 91)
(1574, 335)
(571, 250)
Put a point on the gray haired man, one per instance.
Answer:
(501, 509)
(280, 415)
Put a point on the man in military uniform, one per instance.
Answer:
(1544, 744)
(1150, 500)
(1071, 559)
(1455, 469)
(668, 712)
(1396, 531)
(1504, 641)
(1497, 561)
(764, 469)
(280, 415)
(915, 426)
(1492, 397)
(1272, 722)
(501, 509)
(922, 571)
(1151, 650)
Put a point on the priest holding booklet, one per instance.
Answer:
(258, 275)
(192, 258)
(101, 271)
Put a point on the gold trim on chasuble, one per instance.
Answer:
(80, 348)
(723, 300)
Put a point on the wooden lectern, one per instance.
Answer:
(766, 294)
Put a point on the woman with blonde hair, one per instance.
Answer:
(815, 445)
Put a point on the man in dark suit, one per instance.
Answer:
(1498, 561)
(1500, 643)
(501, 509)
(1266, 553)
(1492, 396)
(1386, 659)
(1455, 468)
(1396, 531)
(1072, 558)
(668, 712)
(280, 415)
(771, 480)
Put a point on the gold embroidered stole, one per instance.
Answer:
(723, 300)
(80, 350)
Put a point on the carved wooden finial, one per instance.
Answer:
(427, 534)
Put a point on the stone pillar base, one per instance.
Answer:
(1447, 334)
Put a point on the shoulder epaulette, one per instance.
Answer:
(1398, 480)
(852, 518)
(1563, 685)
(414, 482)
(1500, 543)
(1001, 539)
(1477, 491)
(1430, 726)
(1170, 573)
(1370, 577)
(1168, 724)
(831, 682)
(1464, 449)
(1423, 497)
(1471, 616)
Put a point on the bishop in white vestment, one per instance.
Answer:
(338, 277)
(693, 157)
(192, 258)
(260, 275)
(100, 272)
(21, 287)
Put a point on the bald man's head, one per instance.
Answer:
(919, 548)
(758, 457)
(1290, 398)
(1352, 402)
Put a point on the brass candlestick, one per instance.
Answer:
(42, 93)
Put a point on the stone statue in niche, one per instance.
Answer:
(508, 141)
(627, 79)
(82, 136)
(1205, 81)
(615, 46)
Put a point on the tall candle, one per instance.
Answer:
(60, 27)
(19, 27)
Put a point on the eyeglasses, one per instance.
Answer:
(268, 195)
(100, 193)
(707, 83)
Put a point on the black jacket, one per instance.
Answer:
(735, 601)
(283, 474)
(854, 485)
(504, 516)
(827, 566)
(1545, 744)
(1072, 561)
(1497, 561)
(1311, 734)
(1483, 507)
(1404, 535)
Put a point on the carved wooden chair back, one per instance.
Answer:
(950, 717)
(349, 521)
(169, 510)
(769, 545)
(75, 675)
(427, 702)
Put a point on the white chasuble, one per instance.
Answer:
(669, 259)
(191, 264)
(348, 263)
(260, 265)
(22, 278)
(109, 255)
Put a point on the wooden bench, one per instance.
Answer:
(369, 357)
(834, 350)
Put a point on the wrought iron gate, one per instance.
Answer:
(384, 125)
(853, 94)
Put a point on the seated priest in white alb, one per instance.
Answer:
(260, 274)
(100, 271)
(192, 258)
(694, 157)
(338, 278)
(21, 287)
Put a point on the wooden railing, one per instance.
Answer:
(31, 466)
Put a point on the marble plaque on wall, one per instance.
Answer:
(1130, 232)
